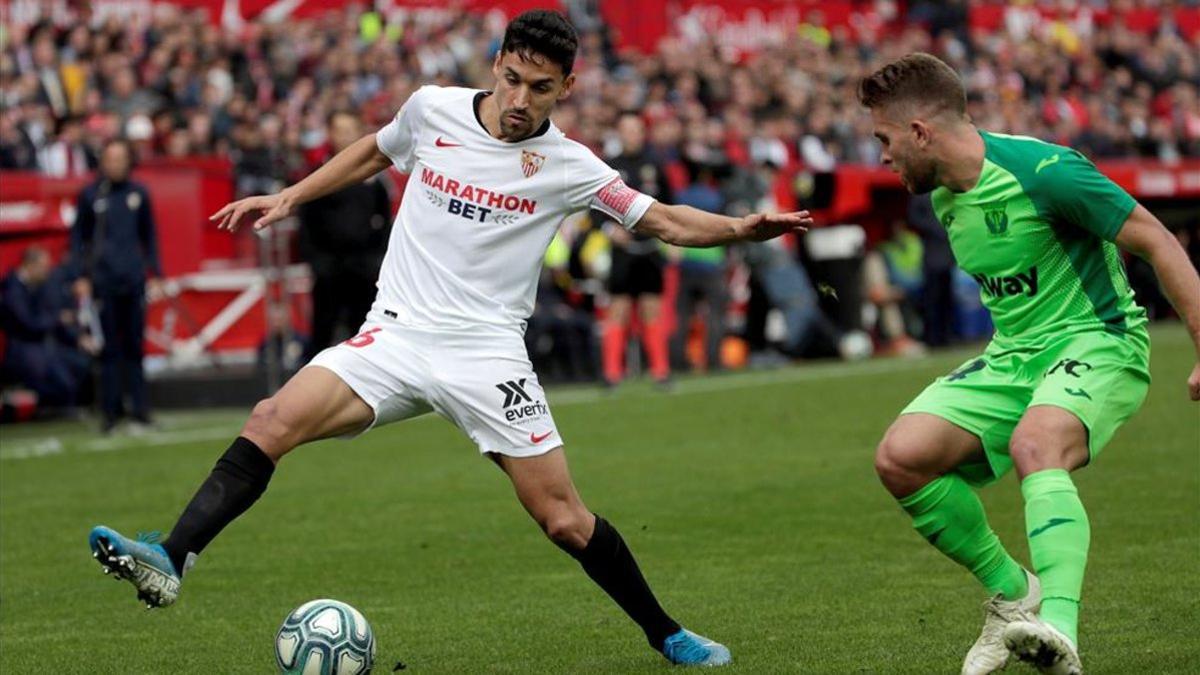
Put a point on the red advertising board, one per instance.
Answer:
(38, 209)
(858, 186)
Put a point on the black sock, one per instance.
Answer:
(237, 481)
(607, 560)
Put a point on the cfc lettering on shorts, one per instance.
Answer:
(617, 196)
(1022, 283)
(1070, 367)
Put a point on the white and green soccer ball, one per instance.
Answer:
(325, 637)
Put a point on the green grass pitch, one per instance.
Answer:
(749, 499)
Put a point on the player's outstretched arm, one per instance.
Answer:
(686, 226)
(1144, 236)
(358, 162)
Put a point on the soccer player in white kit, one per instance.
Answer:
(490, 180)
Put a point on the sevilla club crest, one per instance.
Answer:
(531, 162)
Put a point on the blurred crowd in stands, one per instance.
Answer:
(182, 86)
(718, 130)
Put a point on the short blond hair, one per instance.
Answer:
(918, 79)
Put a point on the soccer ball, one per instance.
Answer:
(325, 637)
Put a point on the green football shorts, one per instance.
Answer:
(1100, 377)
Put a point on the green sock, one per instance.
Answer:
(1058, 545)
(948, 513)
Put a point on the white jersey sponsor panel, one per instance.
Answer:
(478, 212)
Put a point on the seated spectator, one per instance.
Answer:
(17, 150)
(67, 156)
(283, 348)
(892, 276)
(37, 354)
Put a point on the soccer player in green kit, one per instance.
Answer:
(1041, 230)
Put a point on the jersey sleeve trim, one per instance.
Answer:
(1110, 228)
(622, 203)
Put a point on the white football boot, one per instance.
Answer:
(989, 653)
(1038, 643)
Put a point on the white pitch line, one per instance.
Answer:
(154, 439)
(38, 448)
(216, 429)
(222, 426)
(54, 446)
(729, 382)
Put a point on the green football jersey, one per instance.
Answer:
(1037, 233)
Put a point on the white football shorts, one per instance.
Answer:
(483, 382)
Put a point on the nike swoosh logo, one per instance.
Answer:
(535, 439)
(1052, 159)
(443, 144)
(1077, 392)
(1054, 522)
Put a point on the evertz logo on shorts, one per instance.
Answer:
(514, 396)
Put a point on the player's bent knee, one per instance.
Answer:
(1032, 452)
(892, 458)
(566, 528)
(266, 428)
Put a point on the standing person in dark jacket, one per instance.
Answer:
(637, 263)
(343, 237)
(114, 250)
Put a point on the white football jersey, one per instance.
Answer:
(478, 212)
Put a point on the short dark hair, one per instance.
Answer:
(118, 140)
(33, 253)
(545, 33)
(916, 79)
(339, 112)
